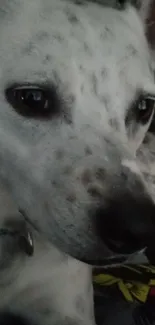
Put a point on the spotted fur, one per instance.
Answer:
(94, 55)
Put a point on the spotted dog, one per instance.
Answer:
(77, 97)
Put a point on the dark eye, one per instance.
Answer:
(142, 110)
(33, 101)
(145, 109)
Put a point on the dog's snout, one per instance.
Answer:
(7, 318)
(127, 222)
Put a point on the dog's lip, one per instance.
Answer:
(115, 259)
(121, 249)
(109, 261)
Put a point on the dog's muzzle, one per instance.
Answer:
(125, 219)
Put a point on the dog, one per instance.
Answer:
(77, 97)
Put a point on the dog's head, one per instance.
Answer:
(76, 99)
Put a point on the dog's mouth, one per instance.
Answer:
(117, 258)
(122, 248)
(109, 261)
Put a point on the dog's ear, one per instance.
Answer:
(144, 7)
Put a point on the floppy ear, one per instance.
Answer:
(144, 7)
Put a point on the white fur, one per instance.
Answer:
(98, 58)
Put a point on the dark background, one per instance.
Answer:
(151, 25)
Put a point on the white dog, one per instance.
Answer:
(77, 97)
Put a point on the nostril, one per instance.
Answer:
(126, 223)
(86, 177)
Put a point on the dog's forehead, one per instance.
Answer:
(81, 47)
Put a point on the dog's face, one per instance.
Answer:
(76, 99)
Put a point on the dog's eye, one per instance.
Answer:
(144, 108)
(141, 110)
(33, 101)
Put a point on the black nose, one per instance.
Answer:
(12, 319)
(127, 223)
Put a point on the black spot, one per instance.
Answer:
(87, 48)
(82, 69)
(106, 33)
(104, 73)
(68, 170)
(132, 50)
(58, 37)
(72, 18)
(106, 101)
(42, 35)
(55, 183)
(9, 9)
(82, 88)
(79, 2)
(28, 48)
(114, 123)
(94, 84)
(88, 151)
(71, 198)
(47, 59)
(100, 174)
(59, 154)
(86, 177)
